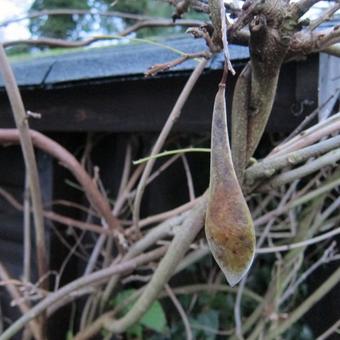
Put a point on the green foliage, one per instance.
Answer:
(60, 26)
(132, 6)
(153, 319)
(299, 332)
(69, 335)
(205, 324)
(75, 26)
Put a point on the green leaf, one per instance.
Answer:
(206, 324)
(154, 318)
(135, 332)
(121, 298)
(69, 335)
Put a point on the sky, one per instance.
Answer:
(10, 9)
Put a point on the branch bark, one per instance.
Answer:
(77, 284)
(173, 117)
(263, 169)
(26, 144)
(178, 247)
(70, 162)
(16, 296)
(331, 282)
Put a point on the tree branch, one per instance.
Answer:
(24, 137)
(16, 296)
(326, 15)
(298, 9)
(152, 22)
(70, 162)
(331, 158)
(74, 11)
(304, 43)
(57, 217)
(180, 244)
(306, 305)
(77, 284)
(173, 117)
(268, 167)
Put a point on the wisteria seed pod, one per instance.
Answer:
(229, 227)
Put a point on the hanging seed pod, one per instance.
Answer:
(229, 226)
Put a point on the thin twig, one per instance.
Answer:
(27, 232)
(173, 117)
(171, 152)
(16, 296)
(333, 98)
(125, 173)
(279, 162)
(329, 331)
(166, 267)
(155, 69)
(157, 172)
(237, 309)
(309, 136)
(73, 11)
(299, 8)
(181, 312)
(144, 23)
(168, 214)
(162, 230)
(298, 201)
(329, 159)
(77, 284)
(197, 288)
(57, 217)
(24, 136)
(306, 305)
(325, 16)
(188, 174)
(327, 256)
(305, 243)
(70, 162)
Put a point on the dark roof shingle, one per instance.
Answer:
(120, 61)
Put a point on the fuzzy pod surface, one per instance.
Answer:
(229, 227)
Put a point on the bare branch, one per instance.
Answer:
(329, 159)
(181, 312)
(299, 8)
(180, 244)
(304, 43)
(323, 129)
(43, 41)
(301, 244)
(70, 11)
(329, 331)
(333, 50)
(188, 174)
(69, 161)
(327, 15)
(152, 71)
(27, 244)
(57, 217)
(84, 281)
(306, 305)
(24, 137)
(262, 169)
(16, 296)
(174, 115)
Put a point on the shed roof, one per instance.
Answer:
(119, 61)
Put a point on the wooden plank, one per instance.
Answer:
(144, 105)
